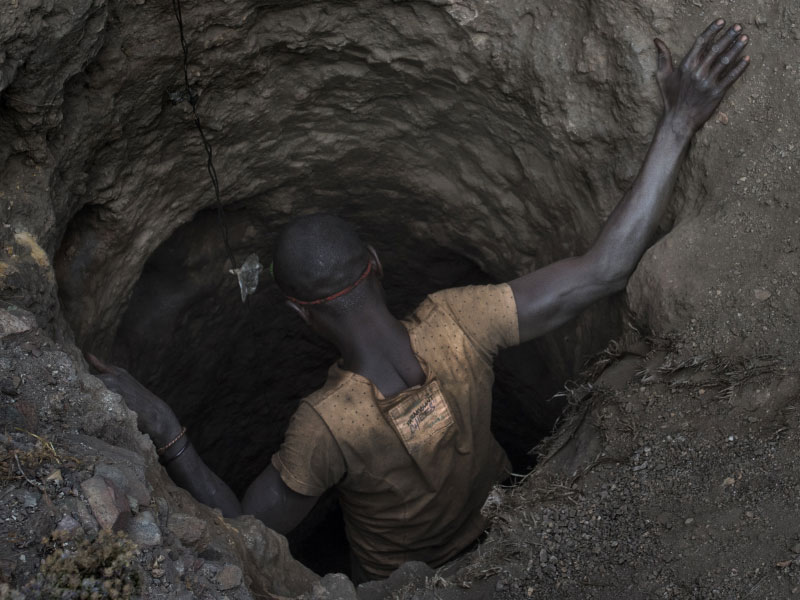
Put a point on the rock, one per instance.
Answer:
(796, 548)
(78, 509)
(229, 577)
(55, 477)
(407, 575)
(269, 564)
(143, 529)
(10, 385)
(28, 498)
(67, 525)
(762, 295)
(11, 324)
(35, 350)
(126, 479)
(334, 586)
(188, 529)
(108, 503)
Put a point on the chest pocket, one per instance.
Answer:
(422, 419)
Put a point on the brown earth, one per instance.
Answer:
(470, 141)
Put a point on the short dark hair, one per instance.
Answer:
(318, 255)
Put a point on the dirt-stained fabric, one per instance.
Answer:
(412, 470)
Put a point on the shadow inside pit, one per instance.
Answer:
(235, 373)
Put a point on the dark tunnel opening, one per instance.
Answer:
(234, 373)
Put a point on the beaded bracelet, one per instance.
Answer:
(163, 449)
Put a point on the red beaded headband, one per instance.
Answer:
(338, 294)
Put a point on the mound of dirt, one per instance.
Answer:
(673, 477)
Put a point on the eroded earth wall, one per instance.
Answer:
(506, 131)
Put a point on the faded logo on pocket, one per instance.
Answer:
(421, 416)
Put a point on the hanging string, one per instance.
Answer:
(192, 98)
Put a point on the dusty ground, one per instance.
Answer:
(687, 488)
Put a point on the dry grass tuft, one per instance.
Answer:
(87, 569)
(24, 463)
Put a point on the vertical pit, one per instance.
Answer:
(464, 157)
(234, 373)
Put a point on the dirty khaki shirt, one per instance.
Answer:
(412, 470)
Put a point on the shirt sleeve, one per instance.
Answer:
(486, 313)
(309, 460)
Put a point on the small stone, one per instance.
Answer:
(761, 20)
(796, 548)
(144, 530)
(27, 498)
(722, 118)
(229, 577)
(55, 477)
(8, 386)
(188, 529)
(11, 324)
(32, 349)
(209, 570)
(109, 505)
(80, 511)
(67, 524)
(762, 295)
(126, 480)
(688, 521)
(749, 514)
(334, 586)
(729, 481)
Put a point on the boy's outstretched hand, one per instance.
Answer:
(693, 91)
